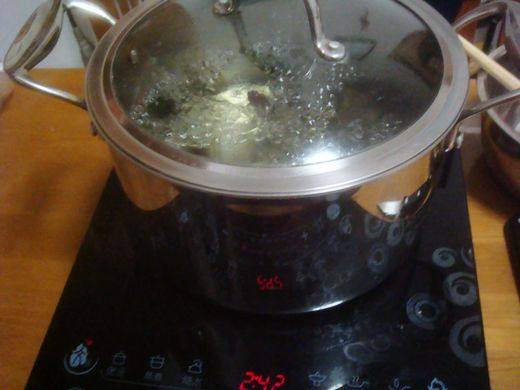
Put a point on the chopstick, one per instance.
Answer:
(493, 68)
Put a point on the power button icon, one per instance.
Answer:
(80, 360)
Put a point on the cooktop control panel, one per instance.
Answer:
(164, 371)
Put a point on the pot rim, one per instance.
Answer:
(197, 172)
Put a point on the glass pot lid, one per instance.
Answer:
(250, 89)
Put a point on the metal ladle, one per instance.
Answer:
(326, 48)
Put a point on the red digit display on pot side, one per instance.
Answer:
(266, 283)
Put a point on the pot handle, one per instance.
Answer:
(38, 37)
(507, 10)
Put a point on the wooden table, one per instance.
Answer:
(52, 172)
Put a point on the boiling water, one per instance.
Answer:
(250, 108)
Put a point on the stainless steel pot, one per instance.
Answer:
(250, 227)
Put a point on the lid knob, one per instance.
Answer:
(326, 48)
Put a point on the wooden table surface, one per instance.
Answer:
(52, 172)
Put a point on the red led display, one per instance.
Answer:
(259, 382)
(266, 283)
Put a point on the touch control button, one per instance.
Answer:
(81, 360)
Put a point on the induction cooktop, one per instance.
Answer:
(121, 323)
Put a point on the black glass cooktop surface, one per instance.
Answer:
(120, 322)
